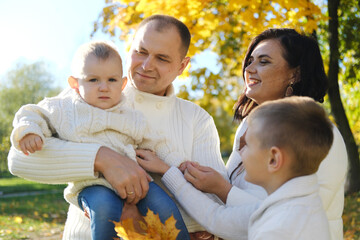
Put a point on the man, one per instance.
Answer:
(157, 56)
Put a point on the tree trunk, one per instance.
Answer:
(335, 100)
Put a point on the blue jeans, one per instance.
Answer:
(104, 206)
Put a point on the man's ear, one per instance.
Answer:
(184, 64)
(73, 82)
(124, 83)
(276, 160)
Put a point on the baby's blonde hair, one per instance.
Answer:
(100, 49)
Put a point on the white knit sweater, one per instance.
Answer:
(187, 128)
(71, 118)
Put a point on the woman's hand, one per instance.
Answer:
(150, 162)
(207, 180)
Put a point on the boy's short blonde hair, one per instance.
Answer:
(299, 125)
(100, 49)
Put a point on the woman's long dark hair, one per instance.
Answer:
(300, 52)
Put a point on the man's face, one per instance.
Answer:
(155, 60)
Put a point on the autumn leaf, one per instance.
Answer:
(153, 228)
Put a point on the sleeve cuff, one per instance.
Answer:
(173, 179)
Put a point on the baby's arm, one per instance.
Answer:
(30, 143)
(30, 119)
(151, 162)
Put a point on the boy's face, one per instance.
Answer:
(254, 156)
(102, 82)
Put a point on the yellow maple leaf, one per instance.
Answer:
(153, 228)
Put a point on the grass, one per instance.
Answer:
(16, 185)
(31, 217)
(43, 216)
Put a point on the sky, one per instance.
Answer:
(51, 31)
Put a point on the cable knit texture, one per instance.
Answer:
(184, 128)
(70, 118)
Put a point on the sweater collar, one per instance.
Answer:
(296, 187)
(134, 94)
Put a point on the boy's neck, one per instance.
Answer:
(276, 182)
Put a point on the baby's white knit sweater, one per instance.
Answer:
(70, 118)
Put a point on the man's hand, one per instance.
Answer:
(150, 162)
(126, 176)
(30, 143)
(207, 180)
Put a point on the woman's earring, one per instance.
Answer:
(289, 90)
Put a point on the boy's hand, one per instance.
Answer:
(150, 162)
(30, 143)
(207, 180)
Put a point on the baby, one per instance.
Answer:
(94, 110)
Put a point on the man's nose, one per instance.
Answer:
(148, 64)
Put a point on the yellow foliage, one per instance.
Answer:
(209, 21)
(18, 219)
(153, 229)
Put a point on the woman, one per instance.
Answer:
(278, 63)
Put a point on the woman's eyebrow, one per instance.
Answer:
(264, 55)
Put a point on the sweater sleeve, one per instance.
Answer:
(332, 176)
(225, 221)
(59, 162)
(206, 144)
(30, 119)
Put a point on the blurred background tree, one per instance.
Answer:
(226, 27)
(26, 83)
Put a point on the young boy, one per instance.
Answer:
(285, 143)
(94, 110)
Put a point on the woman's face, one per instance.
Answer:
(267, 74)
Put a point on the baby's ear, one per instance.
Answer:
(73, 82)
(124, 83)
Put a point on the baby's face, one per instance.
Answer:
(102, 82)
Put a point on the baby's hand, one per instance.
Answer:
(30, 143)
(150, 162)
(183, 166)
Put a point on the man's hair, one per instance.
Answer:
(164, 22)
(299, 125)
(100, 49)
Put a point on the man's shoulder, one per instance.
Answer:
(191, 106)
